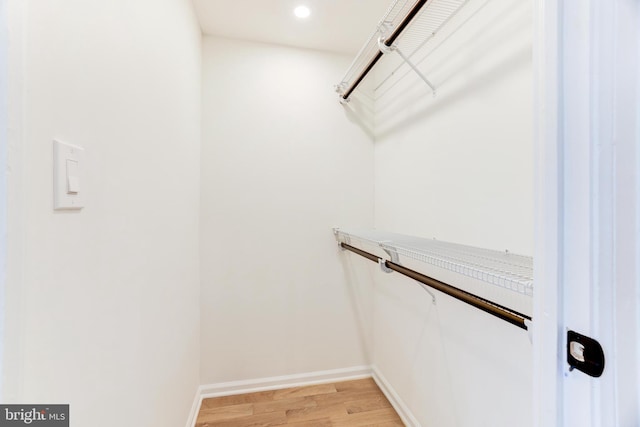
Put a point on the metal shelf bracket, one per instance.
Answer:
(346, 239)
(427, 290)
(340, 89)
(395, 258)
(393, 255)
(394, 48)
(383, 266)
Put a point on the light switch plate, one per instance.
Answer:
(63, 196)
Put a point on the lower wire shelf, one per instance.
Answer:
(473, 262)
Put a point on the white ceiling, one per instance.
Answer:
(334, 25)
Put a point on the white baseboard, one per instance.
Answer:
(398, 404)
(274, 383)
(195, 409)
(285, 381)
(300, 380)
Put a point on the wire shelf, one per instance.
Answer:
(394, 14)
(503, 269)
(432, 17)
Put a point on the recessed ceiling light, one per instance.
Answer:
(302, 12)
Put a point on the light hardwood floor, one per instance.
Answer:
(356, 403)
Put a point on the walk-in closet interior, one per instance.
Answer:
(270, 201)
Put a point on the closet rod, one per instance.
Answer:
(407, 19)
(518, 319)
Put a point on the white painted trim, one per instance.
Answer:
(586, 67)
(195, 409)
(274, 383)
(547, 302)
(285, 381)
(394, 398)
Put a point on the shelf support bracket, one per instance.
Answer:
(393, 254)
(340, 89)
(429, 291)
(394, 48)
(347, 239)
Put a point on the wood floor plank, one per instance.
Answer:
(322, 422)
(387, 417)
(237, 399)
(365, 405)
(346, 396)
(355, 385)
(357, 403)
(337, 409)
(304, 391)
(284, 405)
(269, 419)
(225, 413)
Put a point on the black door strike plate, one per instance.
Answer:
(584, 354)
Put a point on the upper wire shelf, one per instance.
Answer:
(394, 14)
(415, 29)
(503, 269)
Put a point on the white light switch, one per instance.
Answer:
(73, 181)
(67, 173)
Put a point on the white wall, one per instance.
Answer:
(4, 69)
(281, 164)
(102, 304)
(458, 167)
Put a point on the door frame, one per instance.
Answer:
(547, 302)
(587, 204)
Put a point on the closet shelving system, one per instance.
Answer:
(406, 30)
(502, 269)
(406, 27)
